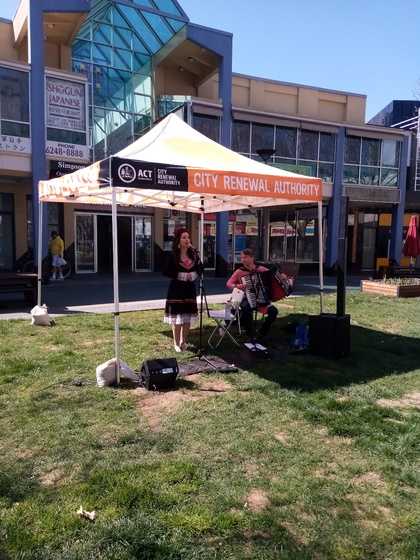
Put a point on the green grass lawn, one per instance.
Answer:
(297, 457)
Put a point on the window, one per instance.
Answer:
(241, 137)
(262, 137)
(308, 145)
(172, 219)
(370, 151)
(286, 142)
(293, 147)
(207, 125)
(371, 161)
(14, 102)
(6, 231)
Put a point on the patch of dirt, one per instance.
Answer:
(282, 438)
(371, 479)
(155, 405)
(257, 500)
(51, 477)
(95, 342)
(294, 531)
(408, 401)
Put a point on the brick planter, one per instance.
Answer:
(393, 290)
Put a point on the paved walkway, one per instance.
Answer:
(94, 293)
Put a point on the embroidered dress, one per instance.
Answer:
(181, 300)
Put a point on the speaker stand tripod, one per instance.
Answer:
(201, 353)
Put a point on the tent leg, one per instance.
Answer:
(40, 208)
(116, 290)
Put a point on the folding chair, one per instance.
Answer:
(224, 319)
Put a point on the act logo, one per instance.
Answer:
(126, 173)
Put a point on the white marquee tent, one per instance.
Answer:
(175, 166)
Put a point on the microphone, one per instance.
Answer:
(194, 250)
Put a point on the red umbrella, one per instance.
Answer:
(411, 247)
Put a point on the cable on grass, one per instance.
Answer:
(71, 384)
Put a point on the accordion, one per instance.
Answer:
(264, 287)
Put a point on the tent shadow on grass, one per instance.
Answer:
(373, 355)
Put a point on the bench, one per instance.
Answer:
(398, 272)
(16, 282)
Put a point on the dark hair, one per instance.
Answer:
(248, 252)
(177, 236)
(54, 232)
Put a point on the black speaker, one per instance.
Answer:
(159, 374)
(329, 335)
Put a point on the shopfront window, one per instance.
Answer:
(172, 220)
(246, 233)
(209, 244)
(294, 236)
(6, 231)
(85, 243)
(143, 240)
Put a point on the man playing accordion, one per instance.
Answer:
(239, 280)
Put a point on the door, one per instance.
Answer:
(105, 243)
(85, 243)
(143, 243)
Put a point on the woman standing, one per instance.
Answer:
(182, 266)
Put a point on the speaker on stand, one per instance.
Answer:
(329, 333)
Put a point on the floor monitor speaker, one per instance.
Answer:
(329, 335)
(159, 374)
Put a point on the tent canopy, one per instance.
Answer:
(175, 166)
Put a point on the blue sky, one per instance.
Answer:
(370, 47)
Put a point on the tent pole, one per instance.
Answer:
(39, 252)
(115, 275)
(201, 234)
(321, 256)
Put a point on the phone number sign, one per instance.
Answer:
(72, 151)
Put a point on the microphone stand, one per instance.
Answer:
(201, 352)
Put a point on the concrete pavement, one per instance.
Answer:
(94, 293)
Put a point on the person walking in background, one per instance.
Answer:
(56, 249)
(182, 266)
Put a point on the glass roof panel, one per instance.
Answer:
(175, 24)
(159, 26)
(138, 46)
(118, 19)
(139, 61)
(122, 38)
(146, 3)
(102, 54)
(100, 10)
(81, 50)
(84, 33)
(101, 33)
(122, 59)
(141, 28)
(167, 6)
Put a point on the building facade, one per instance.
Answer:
(82, 82)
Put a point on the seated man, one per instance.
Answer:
(235, 281)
